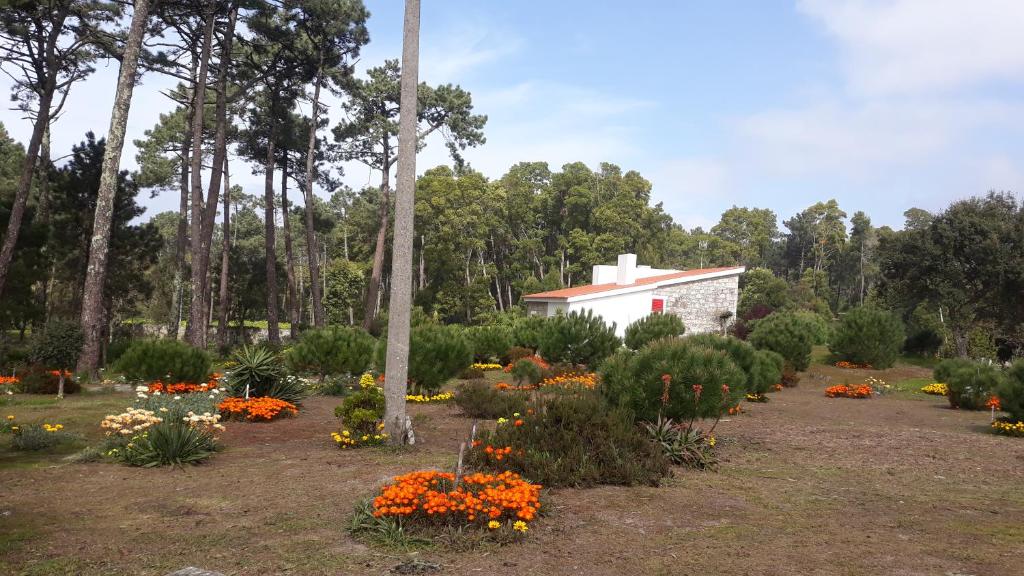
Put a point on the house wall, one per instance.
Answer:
(622, 309)
(701, 303)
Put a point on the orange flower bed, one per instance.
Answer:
(535, 359)
(492, 453)
(572, 380)
(9, 380)
(181, 387)
(514, 387)
(845, 364)
(263, 408)
(844, 391)
(430, 495)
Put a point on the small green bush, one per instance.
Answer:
(526, 371)
(33, 437)
(489, 343)
(340, 385)
(651, 328)
(704, 382)
(945, 369)
(972, 384)
(39, 380)
(765, 372)
(1011, 391)
(786, 334)
(57, 347)
(578, 338)
(168, 360)
(471, 374)
(436, 355)
(332, 351)
(817, 325)
(868, 335)
(480, 399)
(261, 371)
(575, 440)
(169, 443)
(361, 411)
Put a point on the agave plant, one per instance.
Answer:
(170, 443)
(683, 445)
(259, 372)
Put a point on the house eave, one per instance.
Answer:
(639, 287)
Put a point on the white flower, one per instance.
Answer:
(141, 389)
(177, 397)
(164, 409)
(157, 393)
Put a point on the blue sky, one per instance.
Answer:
(883, 105)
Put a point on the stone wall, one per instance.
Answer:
(700, 304)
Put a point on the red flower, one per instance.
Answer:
(698, 389)
(725, 389)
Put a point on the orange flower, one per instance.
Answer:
(262, 408)
(993, 403)
(844, 391)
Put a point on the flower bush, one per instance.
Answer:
(1008, 427)
(571, 380)
(424, 399)
(185, 387)
(170, 443)
(432, 497)
(32, 437)
(130, 422)
(256, 409)
(537, 360)
(346, 439)
(847, 391)
(936, 389)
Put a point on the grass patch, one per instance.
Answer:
(919, 361)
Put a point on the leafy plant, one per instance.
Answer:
(436, 355)
(577, 338)
(573, 440)
(168, 443)
(164, 360)
(651, 328)
(57, 347)
(868, 335)
(786, 334)
(683, 446)
(361, 411)
(679, 379)
(332, 351)
(816, 324)
(259, 371)
(1011, 391)
(33, 437)
(970, 385)
(489, 343)
(482, 400)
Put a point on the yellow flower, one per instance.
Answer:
(520, 526)
(10, 416)
(345, 433)
(494, 524)
(712, 441)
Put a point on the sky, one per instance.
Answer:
(882, 104)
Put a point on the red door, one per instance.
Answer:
(657, 305)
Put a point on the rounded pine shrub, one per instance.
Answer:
(332, 351)
(868, 335)
(577, 338)
(765, 372)
(489, 343)
(526, 331)
(786, 334)
(653, 327)
(944, 371)
(970, 384)
(168, 360)
(526, 371)
(702, 382)
(1011, 392)
(817, 324)
(436, 355)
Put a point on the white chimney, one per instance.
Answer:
(626, 273)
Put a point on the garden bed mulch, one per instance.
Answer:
(808, 485)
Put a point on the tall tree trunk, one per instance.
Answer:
(225, 261)
(397, 363)
(372, 290)
(181, 239)
(289, 258)
(92, 304)
(43, 215)
(208, 215)
(273, 330)
(197, 312)
(312, 254)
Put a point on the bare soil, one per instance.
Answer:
(809, 485)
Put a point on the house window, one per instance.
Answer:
(658, 305)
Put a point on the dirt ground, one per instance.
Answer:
(895, 485)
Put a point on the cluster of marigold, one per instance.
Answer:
(936, 389)
(493, 454)
(845, 364)
(1008, 428)
(348, 439)
(485, 366)
(4, 380)
(571, 380)
(846, 391)
(430, 495)
(534, 358)
(425, 398)
(516, 387)
(993, 403)
(184, 387)
(261, 408)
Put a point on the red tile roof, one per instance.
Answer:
(566, 293)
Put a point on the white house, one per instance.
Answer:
(625, 293)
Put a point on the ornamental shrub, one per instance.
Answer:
(57, 347)
(653, 327)
(526, 331)
(436, 355)
(526, 371)
(489, 343)
(168, 443)
(260, 370)
(945, 369)
(765, 372)
(970, 384)
(868, 335)
(577, 338)
(332, 351)
(818, 325)
(703, 382)
(1011, 392)
(164, 360)
(480, 399)
(786, 334)
(573, 440)
(361, 411)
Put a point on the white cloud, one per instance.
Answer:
(914, 46)
(690, 186)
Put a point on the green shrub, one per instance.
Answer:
(577, 338)
(32, 437)
(37, 379)
(867, 335)
(526, 331)
(57, 347)
(765, 372)
(436, 355)
(526, 371)
(361, 411)
(651, 328)
(489, 343)
(786, 334)
(260, 370)
(574, 440)
(479, 399)
(817, 325)
(518, 353)
(945, 369)
(169, 443)
(1011, 392)
(682, 445)
(970, 384)
(168, 360)
(704, 382)
(332, 351)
